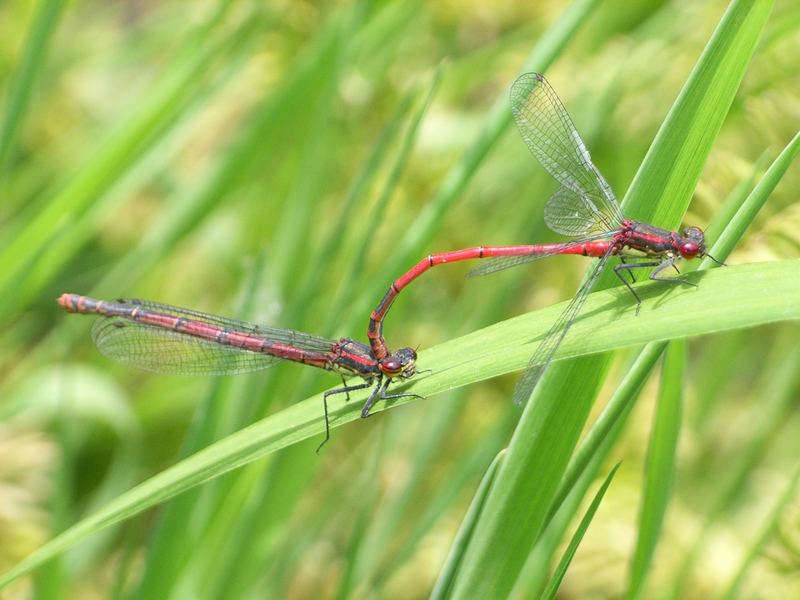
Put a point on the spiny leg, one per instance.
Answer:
(382, 395)
(628, 267)
(378, 392)
(655, 277)
(342, 390)
(406, 395)
(630, 271)
(659, 265)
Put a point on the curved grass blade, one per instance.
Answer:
(778, 387)
(446, 576)
(46, 241)
(767, 532)
(660, 465)
(550, 428)
(729, 298)
(47, 17)
(563, 565)
(621, 402)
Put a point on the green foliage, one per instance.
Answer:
(563, 564)
(660, 465)
(284, 163)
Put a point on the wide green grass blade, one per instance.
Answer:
(537, 571)
(199, 219)
(621, 402)
(558, 576)
(731, 298)
(672, 167)
(613, 415)
(550, 427)
(296, 465)
(660, 465)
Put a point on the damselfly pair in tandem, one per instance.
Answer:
(168, 339)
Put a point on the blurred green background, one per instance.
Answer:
(283, 162)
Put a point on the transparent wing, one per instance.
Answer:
(568, 213)
(164, 350)
(492, 265)
(543, 356)
(297, 339)
(550, 135)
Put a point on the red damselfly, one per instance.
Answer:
(583, 207)
(167, 339)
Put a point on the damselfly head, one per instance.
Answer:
(400, 364)
(692, 243)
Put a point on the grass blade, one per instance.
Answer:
(660, 466)
(767, 532)
(563, 565)
(495, 124)
(621, 402)
(446, 576)
(779, 389)
(47, 16)
(729, 298)
(549, 429)
(46, 242)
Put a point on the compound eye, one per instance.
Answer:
(689, 249)
(391, 367)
